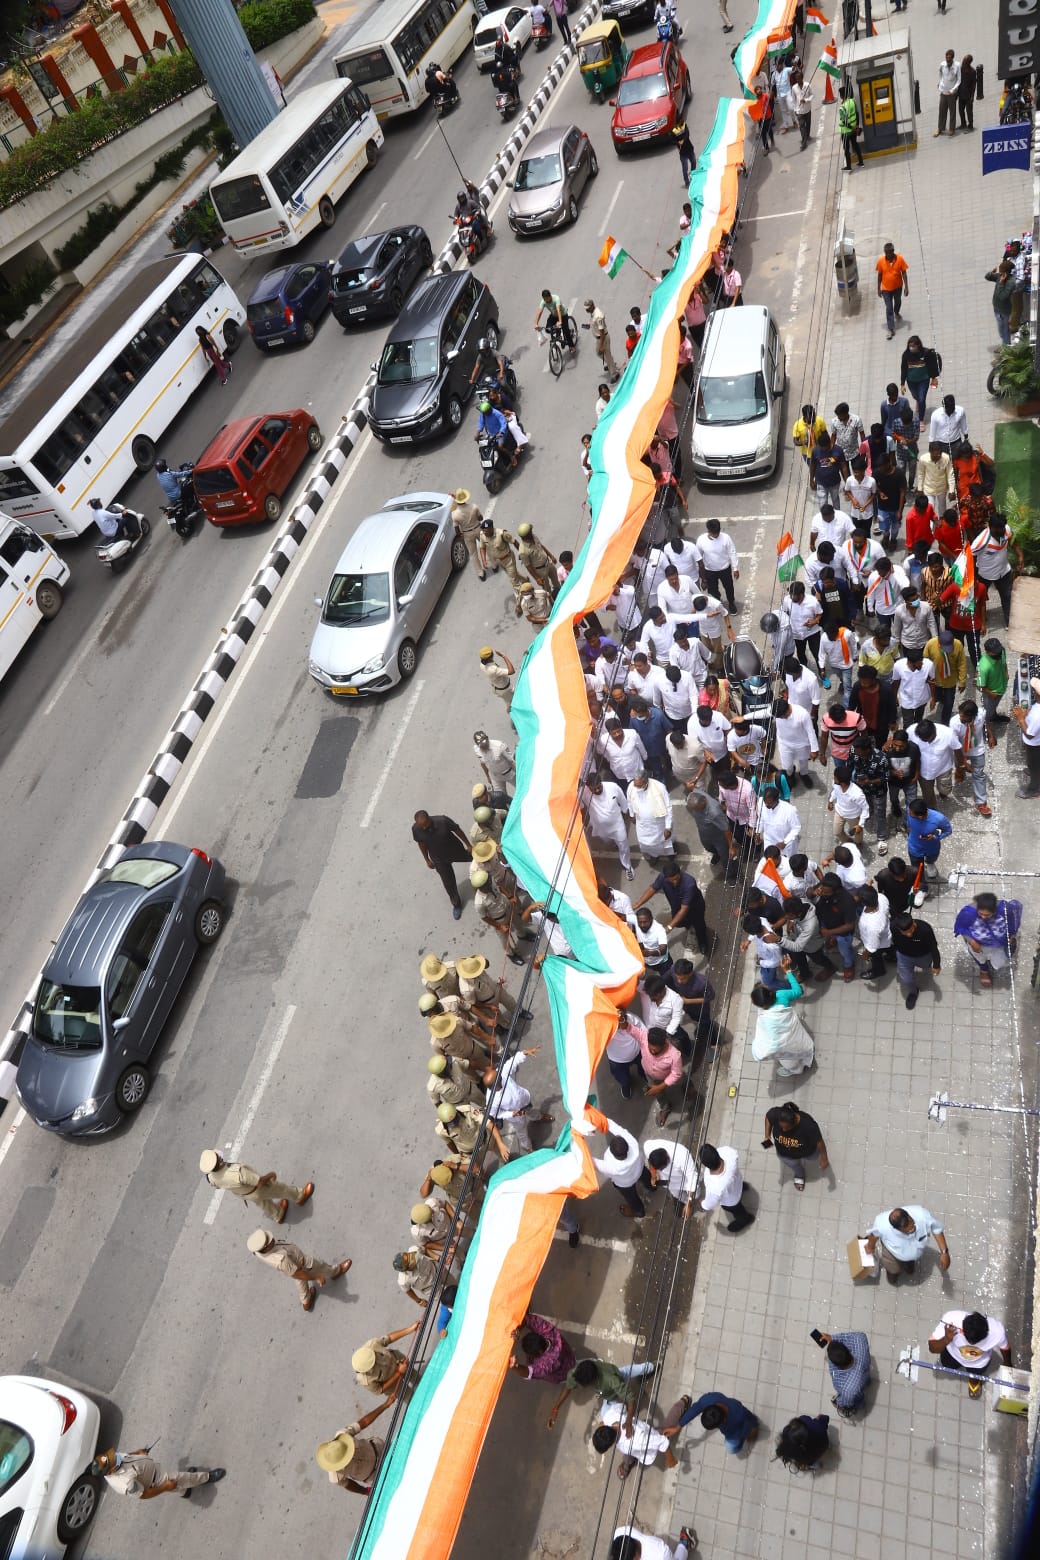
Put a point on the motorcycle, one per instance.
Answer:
(474, 237)
(745, 671)
(540, 34)
(497, 461)
(1017, 105)
(115, 552)
(445, 94)
(184, 515)
(507, 99)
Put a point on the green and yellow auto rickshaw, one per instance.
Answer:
(603, 57)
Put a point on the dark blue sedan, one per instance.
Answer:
(286, 304)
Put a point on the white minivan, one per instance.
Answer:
(739, 399)
(32, 577)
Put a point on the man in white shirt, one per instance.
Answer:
(939, 751)
(724, 1187)
(860, 557)
(685, 556)
(949, 87)
(605, 813)
(674, 1167)
(972, 734)
(644, 681)
(829, 525)
(746, 744)
(711, 731)
(718, 562)
(948, 425)
(803, 687)
(662, 1008)
(690, 655)
(632, 1544)
(623, 750)
(678, 697)
(992, 564)
(658, 634)
(675, 593)
(913, 683)
(656, 564)
(967, 1340)
(684, 757)
(796, 740)
(1028, 722)
(623, 1045)
(626, 606)
(847, 864)
(622, 1162)
(777, 822)
(636, 1439)
(712, 619)
(885, 589)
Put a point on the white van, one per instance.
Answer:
(739, 400)
(31, 581)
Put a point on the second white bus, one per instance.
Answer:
(390, 51)
(87, 423)
(288, 179)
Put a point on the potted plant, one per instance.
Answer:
(1014, 377)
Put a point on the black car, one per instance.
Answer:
(628, 11)
(423, 377)
(374, 275)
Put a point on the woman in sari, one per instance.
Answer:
(989, 928)
(779, 1032)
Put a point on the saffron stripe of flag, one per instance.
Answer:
(962, 572)
(815, 21)
(788, 559)
(829, 60)
(612, 257)
(768, 870)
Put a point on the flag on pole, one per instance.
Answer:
(815, 21)
(829, 60)
(779, 43)
(612, 257)
(963, 574)
(768, 870)
(788, 559)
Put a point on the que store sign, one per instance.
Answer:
(1018, 49)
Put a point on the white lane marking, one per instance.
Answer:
(736, 519)
(371, 221)
(599, 1242)
(755, 555)
(773, 215)
(232, 1150)
(89, 645)
(803, 246)
(5, 1146)
(268, 620)
(395, 747)
(615, 1334)
(610, 209)
(425, 144)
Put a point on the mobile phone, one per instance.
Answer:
(767, 1142)
(817, 1338)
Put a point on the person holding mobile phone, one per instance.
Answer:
(848, 1360)
(796, 1137)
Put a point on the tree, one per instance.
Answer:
(14, 19)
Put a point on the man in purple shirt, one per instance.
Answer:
(547, 1356)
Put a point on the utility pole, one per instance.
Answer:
(228, 64)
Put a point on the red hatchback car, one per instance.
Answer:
(246, 471)
(652, 96)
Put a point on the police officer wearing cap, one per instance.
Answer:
(271, 1196)
(497, 552)
(378, 1367)
(350, 1461)
(466, 518)
(452, 1035)
(451, 1082)
(534, 603)
(536, 558)
(499, 671)
(310, 1273)
(137, 1474)
(438, 975)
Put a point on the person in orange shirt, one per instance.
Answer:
(892, 285)
(921, 520)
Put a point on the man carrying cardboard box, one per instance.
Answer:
(900, 1236)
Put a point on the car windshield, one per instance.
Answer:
(722, 403)
(68, 1016)
(357, 598)
(642, 89)
(16, 1453)
(146, 872)
(405, 361)
(536, 172)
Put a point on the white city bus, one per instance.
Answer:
(86, 425)
(289, 178)
(389, 52)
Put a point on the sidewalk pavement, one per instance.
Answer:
(927, 1471)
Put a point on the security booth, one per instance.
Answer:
(881, 72)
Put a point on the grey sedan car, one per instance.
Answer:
(110, 982)
(388, 581)
(554, 170)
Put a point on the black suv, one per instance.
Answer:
(423, 377)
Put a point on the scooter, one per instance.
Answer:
(445, 95)
(115, 553)
(184, 516)
(507, 98)
(474, 237)
(496, 462)
(745, 671)
(540, 34)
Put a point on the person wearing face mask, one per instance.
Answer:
(137, 1474)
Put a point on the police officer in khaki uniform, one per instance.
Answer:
(476, 985)
(478, 1019)
(137, 1474)
(497, 910)
(467, 518)
(499, 671)
(536, 558)
(349, 1461)
(378, 1367)
(487, 857)
(535, 604)
(452, 1082)
(438, 976)
(449, 1174)
(450, 1038)
(487, 824)
(459, 1126)
(431, 1226)
(416, 1275)
(271, 1196)
(310, 1273)
(497, 551)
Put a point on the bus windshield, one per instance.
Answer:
(365, 68)
(239, 197)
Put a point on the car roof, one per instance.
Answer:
(548, 140)
(80, 954)
(735, 340)
(377, 540)
(644, 61)
(225, 443)
(271, 284)
(498, 16)
(361, 250)
(427, 304)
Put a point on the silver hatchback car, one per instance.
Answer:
(554, 170)
(387, 583)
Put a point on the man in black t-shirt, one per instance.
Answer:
(896, 882)
(796, 1137)
(441, 842)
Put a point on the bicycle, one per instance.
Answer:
(559, 336)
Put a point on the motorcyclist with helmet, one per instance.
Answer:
(170, 481)
(441, 83)
(505, 71)
(469, 208)
(493, 423)
(492, 368)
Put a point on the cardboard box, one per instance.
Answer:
(861, 1263)
(1006, 1400)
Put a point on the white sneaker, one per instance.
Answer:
(882, 847)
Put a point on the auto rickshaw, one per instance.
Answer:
(603, 57)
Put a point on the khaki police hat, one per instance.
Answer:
(525, 529)
(446, 1112)
(440, 1175)
(421, 1213)
(436, 1065)
(427, 1002)
(209, 1159)
(479, 879)
(485, 850)
(363, 1359)
(473, 965)
(461, 495)
(336, 1454)
(482, 813)
(479, 789)
(258, 1241)
(442, 1025)
(431, 968)
(486, 653)
(526, 588)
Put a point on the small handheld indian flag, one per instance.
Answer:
(963, 574)
(788, 559)
(829, 61)
(612, 257)
(815, 21)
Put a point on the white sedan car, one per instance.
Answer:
(515, 20)
(48, 1496)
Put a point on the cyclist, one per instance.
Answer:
(555, 314)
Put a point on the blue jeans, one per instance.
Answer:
(845, 948)
(918, 388)
(888, 522)
(893, 306)
(1003, 327)
(907, 968)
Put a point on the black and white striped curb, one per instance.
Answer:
(521, 132)
(216, 673)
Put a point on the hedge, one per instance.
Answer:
(29, 289)
(66, 142)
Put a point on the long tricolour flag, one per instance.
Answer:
(815, 21)
(612, 257)
(788, 559)
(963, 574)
